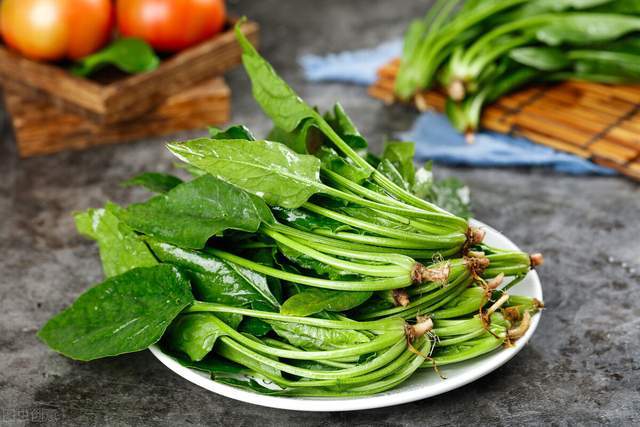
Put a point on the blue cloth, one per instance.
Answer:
(434, 136)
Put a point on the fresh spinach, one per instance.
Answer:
(131, 55)
(312, 301)
(217, 280)
(193, 334)
(193, 212)
(233, 132)
(154, 181)
(316, 338)
(123, 314)
(120, 248)
(267, 169)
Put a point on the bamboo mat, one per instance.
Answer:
(595, 121)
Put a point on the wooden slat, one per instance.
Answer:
(594, 121)
(41, 127)
(119, 99)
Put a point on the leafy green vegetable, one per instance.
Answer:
(308, 263)
(344, 167)
(316, 338)
(273, 94)
(123, 314)
(217, 280)
(306, 220)
(120, 248)
(131, 55)
(193, 334)
(192, 212)
(267, 169)
(312, 301)
(154, 181)
(582, 29)
(400, 155)
(233, 132)
(345, 128)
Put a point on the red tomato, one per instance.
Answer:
(56, 29)
(170, 25)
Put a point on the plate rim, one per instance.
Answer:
(367, 402)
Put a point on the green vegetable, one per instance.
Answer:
(120, 249)
(128, 54)
(261, 295)
(313, 301)
(188, 216)
(153, 181)
(123, 314)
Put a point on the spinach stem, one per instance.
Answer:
(364, 269)
(339, 285)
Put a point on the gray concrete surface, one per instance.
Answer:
(581, 367)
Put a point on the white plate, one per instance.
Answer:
(424, 383)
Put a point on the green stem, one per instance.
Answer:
(430, 242)
(376, 325)
(364, 269)
(338, 285)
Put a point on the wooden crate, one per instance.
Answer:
(595, 121)
(41, 127)
(115, 97)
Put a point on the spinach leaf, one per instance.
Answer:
(340, 165)
(249, 384)
(541, 58)
(194, 211)
(228, 352)
(131, 55)
(274, 95)
(316, 338)
(123, 314)
(120, 248)
(217, 280)
(233, 132)
(306, 220)
(193, 334)
(344, 127)
(153, 181)
(401, 154)
(267, 169)
(586, 28)
(312, 301)
(304, 139)
(450, 193)
(255, 327)
(387, 168)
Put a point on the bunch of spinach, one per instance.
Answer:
(485, 49)
(294, 261)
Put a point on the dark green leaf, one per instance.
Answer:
(120, 248)
(306, 220)
(273, 94)
(541, 58)
(304, 139)
(233, 132)
(312, 301)
(123, 314)
(153, 181)
(194, 211)
(340, 165)
(130, 55)
(584, 28)
(216, 280)
(211, 364)
(255, 327)
(267, 169)
(193, 334)
(316, 338)
(389, 170)
(342, 124)
(401, 154)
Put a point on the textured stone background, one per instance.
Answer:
(581, 366)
